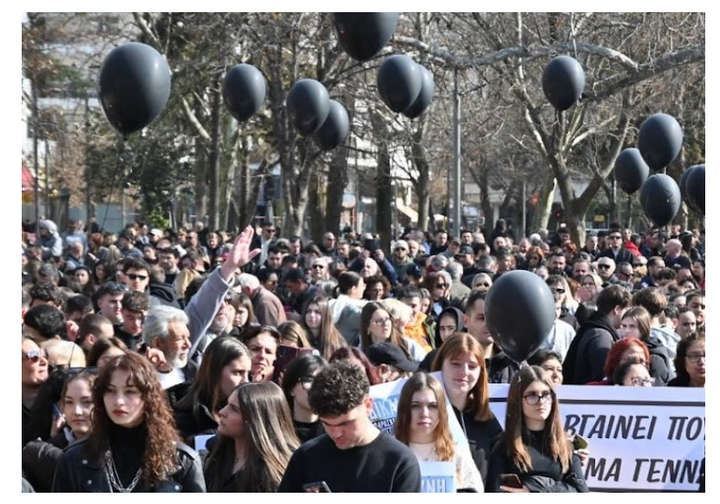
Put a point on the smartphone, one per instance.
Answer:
(510, 480)
(316, 487)
(579, 442)
(285, 355)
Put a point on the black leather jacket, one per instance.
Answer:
(79, 473)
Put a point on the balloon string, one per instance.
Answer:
(112, 185)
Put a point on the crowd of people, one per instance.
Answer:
(191, 360)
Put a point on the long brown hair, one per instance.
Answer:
(458, 344)
(270, 441)
(444, 444)
(160, 457)
(330, 338)
(558, 445)
(206, 390)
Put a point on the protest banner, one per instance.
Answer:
(641, 439)
(438, 477)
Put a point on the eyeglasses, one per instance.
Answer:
(133, 276)
(534, 398)
(35, 355)
(695, 357)
(642, 382)
(382, 322)
(604, 266)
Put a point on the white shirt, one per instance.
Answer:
(171, 379)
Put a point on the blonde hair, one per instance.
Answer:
(398, 310)
(183, 280)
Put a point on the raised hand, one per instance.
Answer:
(240, 253)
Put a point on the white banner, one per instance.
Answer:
(640, 439)
(438, 477)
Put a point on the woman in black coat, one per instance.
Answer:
(134, 446)
(534, 450)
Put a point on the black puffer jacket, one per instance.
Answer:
(77, 472)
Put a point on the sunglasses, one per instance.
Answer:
(441, 286)
(318, 266)
(133, 276)
(35, 355)
(559, 290)
(604, 266)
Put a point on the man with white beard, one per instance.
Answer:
(166, 329)
(173, 335)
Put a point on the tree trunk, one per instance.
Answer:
(316, 219)
(337, 181)
(383, 182)
(541, 216)
(214, 154)
(200, 180)
(419, 157)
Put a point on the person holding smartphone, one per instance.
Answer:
(353, 455)
(534, 447)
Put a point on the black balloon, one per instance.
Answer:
(519, 313)
(660, 199)
(335, 128)
(133, 86)
(308, 105)
(683, 189)
(422, 102)
(363, 34)
(695, 189)
(399, 82)
(631, 170)
(660, 140)
(244, 91)
(563, 82)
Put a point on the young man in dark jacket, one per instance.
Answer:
(585, 360)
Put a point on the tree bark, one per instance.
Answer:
(419, 157)
(337, 181)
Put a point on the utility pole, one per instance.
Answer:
(36, 132)
(457, 212)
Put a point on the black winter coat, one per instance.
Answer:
(546, 473)
(77, 472)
